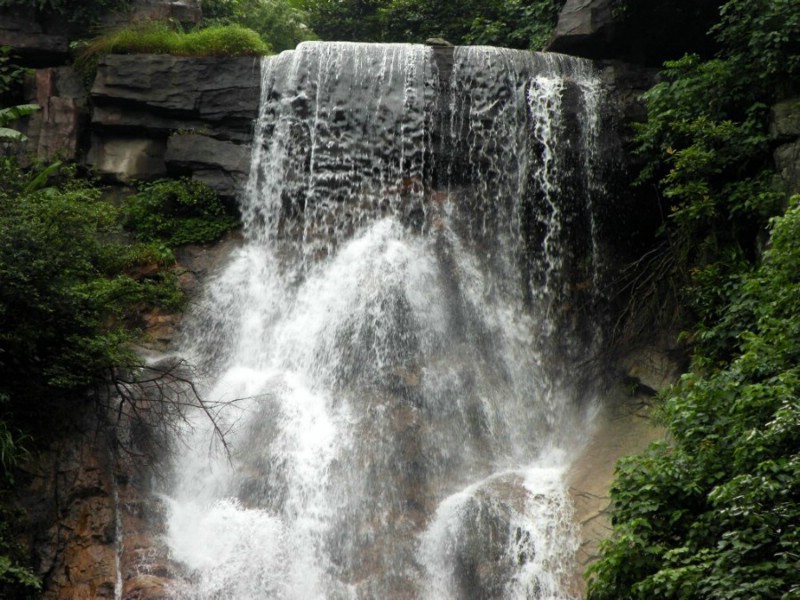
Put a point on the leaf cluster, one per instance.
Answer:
(177, 212)
(281, 22)
(714, 513)
(71, 292)
(9, 115)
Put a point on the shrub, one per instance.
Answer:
(69, 293)
(279, 22)
(714, 514)
(176, 212)
(151, 37)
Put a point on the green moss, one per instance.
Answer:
(152, 37)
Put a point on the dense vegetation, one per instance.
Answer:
(73, 293)
(512, 23)
(713, 512)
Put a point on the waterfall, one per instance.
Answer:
(395, 344)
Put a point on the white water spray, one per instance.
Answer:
(392, 335)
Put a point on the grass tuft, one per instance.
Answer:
(152, 37)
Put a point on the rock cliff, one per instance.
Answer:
(157, 115)
(148, 116)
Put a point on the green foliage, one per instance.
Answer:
(280, 22)
(11, 74)
(16, 580)
(714, 514)
(514, 23)
(706, 143)
(348, 20)
(11, 114)
(70, 291)
(176, 212)
(161, 38)
(86, 12)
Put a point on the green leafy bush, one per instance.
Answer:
(280, 22)
(714, 514)
(70, 293)
(176, 212)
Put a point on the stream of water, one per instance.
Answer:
(397, 337)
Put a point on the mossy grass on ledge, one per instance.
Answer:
(153, 37)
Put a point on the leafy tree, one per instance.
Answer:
(713, 513)
(279, 22)
(69, 292)
(517, 23)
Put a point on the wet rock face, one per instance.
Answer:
(39, 42)
(645, 33)
(785, 129)
(85, 509)
(157, 115)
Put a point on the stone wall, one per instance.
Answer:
(144, 116)
(158, 115)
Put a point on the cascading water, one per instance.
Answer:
(394, 336)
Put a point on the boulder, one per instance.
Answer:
(785, 122)
(585, 28)
(646, 33)
(223, 165)
(128, 158)
(36, 43)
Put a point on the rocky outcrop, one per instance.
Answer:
(38, 42)
(86, 509)
(159, 114)
(585, 28)
(645, 33)
(56, 131)
(785, 129)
